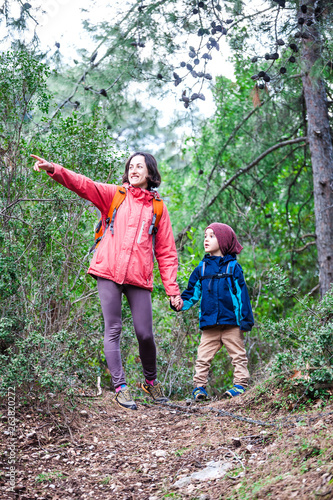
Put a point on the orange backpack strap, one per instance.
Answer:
(117, 200)
(157, 214)
(158, 209)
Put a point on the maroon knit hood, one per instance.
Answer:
(226, 238)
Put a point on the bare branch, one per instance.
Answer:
(231, 137)
(85, 297)
(278, 164)
(314, 289)
(239, 173)
(37, 199)
(309, 235)
(27, 248)
(290, 186)
(299, 250)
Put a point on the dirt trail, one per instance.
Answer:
(100, 451)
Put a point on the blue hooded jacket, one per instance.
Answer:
(219, 305)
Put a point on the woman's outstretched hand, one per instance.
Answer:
(42, 164)
(176, 302)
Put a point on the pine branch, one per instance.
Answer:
(94, 66)
(27, 11)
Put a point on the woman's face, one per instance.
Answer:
(138, 172)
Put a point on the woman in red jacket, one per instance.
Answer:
(123, 262)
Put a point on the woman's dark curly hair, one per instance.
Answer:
(154, 177)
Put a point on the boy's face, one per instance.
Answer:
(211, 244)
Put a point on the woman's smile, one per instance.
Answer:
(138, 172)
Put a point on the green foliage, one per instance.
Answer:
(305, 340)
(54, 363)
(9, 282)
(50, 328)
(23, 88)
(49, 476)
(106, 480)
(270, 207)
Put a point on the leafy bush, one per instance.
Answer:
(304, 341)
(51, 325)
(52, 363)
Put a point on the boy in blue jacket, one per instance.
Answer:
(225, 309)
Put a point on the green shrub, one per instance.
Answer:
(304, 340)
(50, 318)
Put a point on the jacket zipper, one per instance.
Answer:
(141, 231)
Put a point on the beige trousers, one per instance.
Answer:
(211, 342)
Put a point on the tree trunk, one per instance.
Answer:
(321, 150)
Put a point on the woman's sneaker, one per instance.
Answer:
(236, 390)
(200, 394)
(124, 399)
(155, 391)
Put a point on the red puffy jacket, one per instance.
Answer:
(127, 255)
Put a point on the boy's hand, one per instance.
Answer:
(42, 164)
(176, 302)
(180, 305)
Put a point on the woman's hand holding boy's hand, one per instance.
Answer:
(179, 303)
(42, 164)
(176, 302)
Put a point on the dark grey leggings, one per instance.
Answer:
(139, 299)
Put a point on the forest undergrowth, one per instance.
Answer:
(268, 444)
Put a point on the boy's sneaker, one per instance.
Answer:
(200, 394)
(155, 391)
(236, 390)
(124, 399)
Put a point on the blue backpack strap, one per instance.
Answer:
(230, 270)
(233, 289)
(202, 266)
